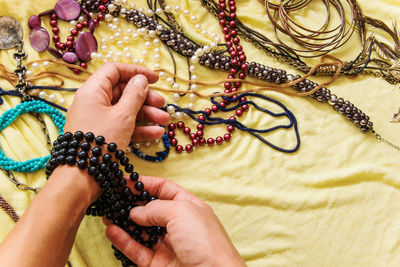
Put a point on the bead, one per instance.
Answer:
(210, 141)
(189, 148)
(139, 186)
(219, 140)
(174, 142)
(94, 161)
(170, 80)
(134, 176)
(100, 140)
(195, 142)
(112, 147)
(145, 196)
(171, 126)
(71, 151)
(89, 136)
(107, 158)
(68, 136)
(202, 141)
(61, 159)
(171, 134)
(178, 115)
(194, 59)
(43, 94)
(129, 168)
(82, 164)
(179, 148)
(61, 101)
(78, 135)
(82, 155)
(92, 170)
(230, 128)
(180, 125)
(85, 146)
(227, 137)
(96, 151)
(114, 166)
(175, 86)
(124, 161)
(119, 154)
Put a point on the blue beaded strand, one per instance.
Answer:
(9, 116)
(160, 155)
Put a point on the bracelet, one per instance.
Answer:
(160, 156)
(116, 201)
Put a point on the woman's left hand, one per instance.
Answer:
(112, 99)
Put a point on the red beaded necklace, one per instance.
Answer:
(239, 66)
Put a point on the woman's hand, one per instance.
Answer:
(195, 236)
(108, 104)
(112, 99)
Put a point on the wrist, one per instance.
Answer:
(76, 182)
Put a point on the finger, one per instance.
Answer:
(153, 114)
(147, 133)
(100, 86)
(136, 252)
(110, 74)
(164, 189)
(117, 92)
(106, 221)
(155, 99)
(133, 95)
(157, 212)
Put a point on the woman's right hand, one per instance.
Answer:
(195, 236)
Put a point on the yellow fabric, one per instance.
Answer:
(333, 203)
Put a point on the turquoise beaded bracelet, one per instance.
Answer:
(9, 116)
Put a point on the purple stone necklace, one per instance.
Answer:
(80, 44)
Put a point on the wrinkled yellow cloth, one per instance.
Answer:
(335, 202)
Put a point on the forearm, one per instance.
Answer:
(45, 234)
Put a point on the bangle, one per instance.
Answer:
(116, 201)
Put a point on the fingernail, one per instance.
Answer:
(140, 81)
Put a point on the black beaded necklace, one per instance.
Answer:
(116, 201)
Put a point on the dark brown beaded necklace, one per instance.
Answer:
(8, 209)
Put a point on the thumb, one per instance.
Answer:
(134, 94)
(156, 213)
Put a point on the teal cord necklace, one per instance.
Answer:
(9, 116)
